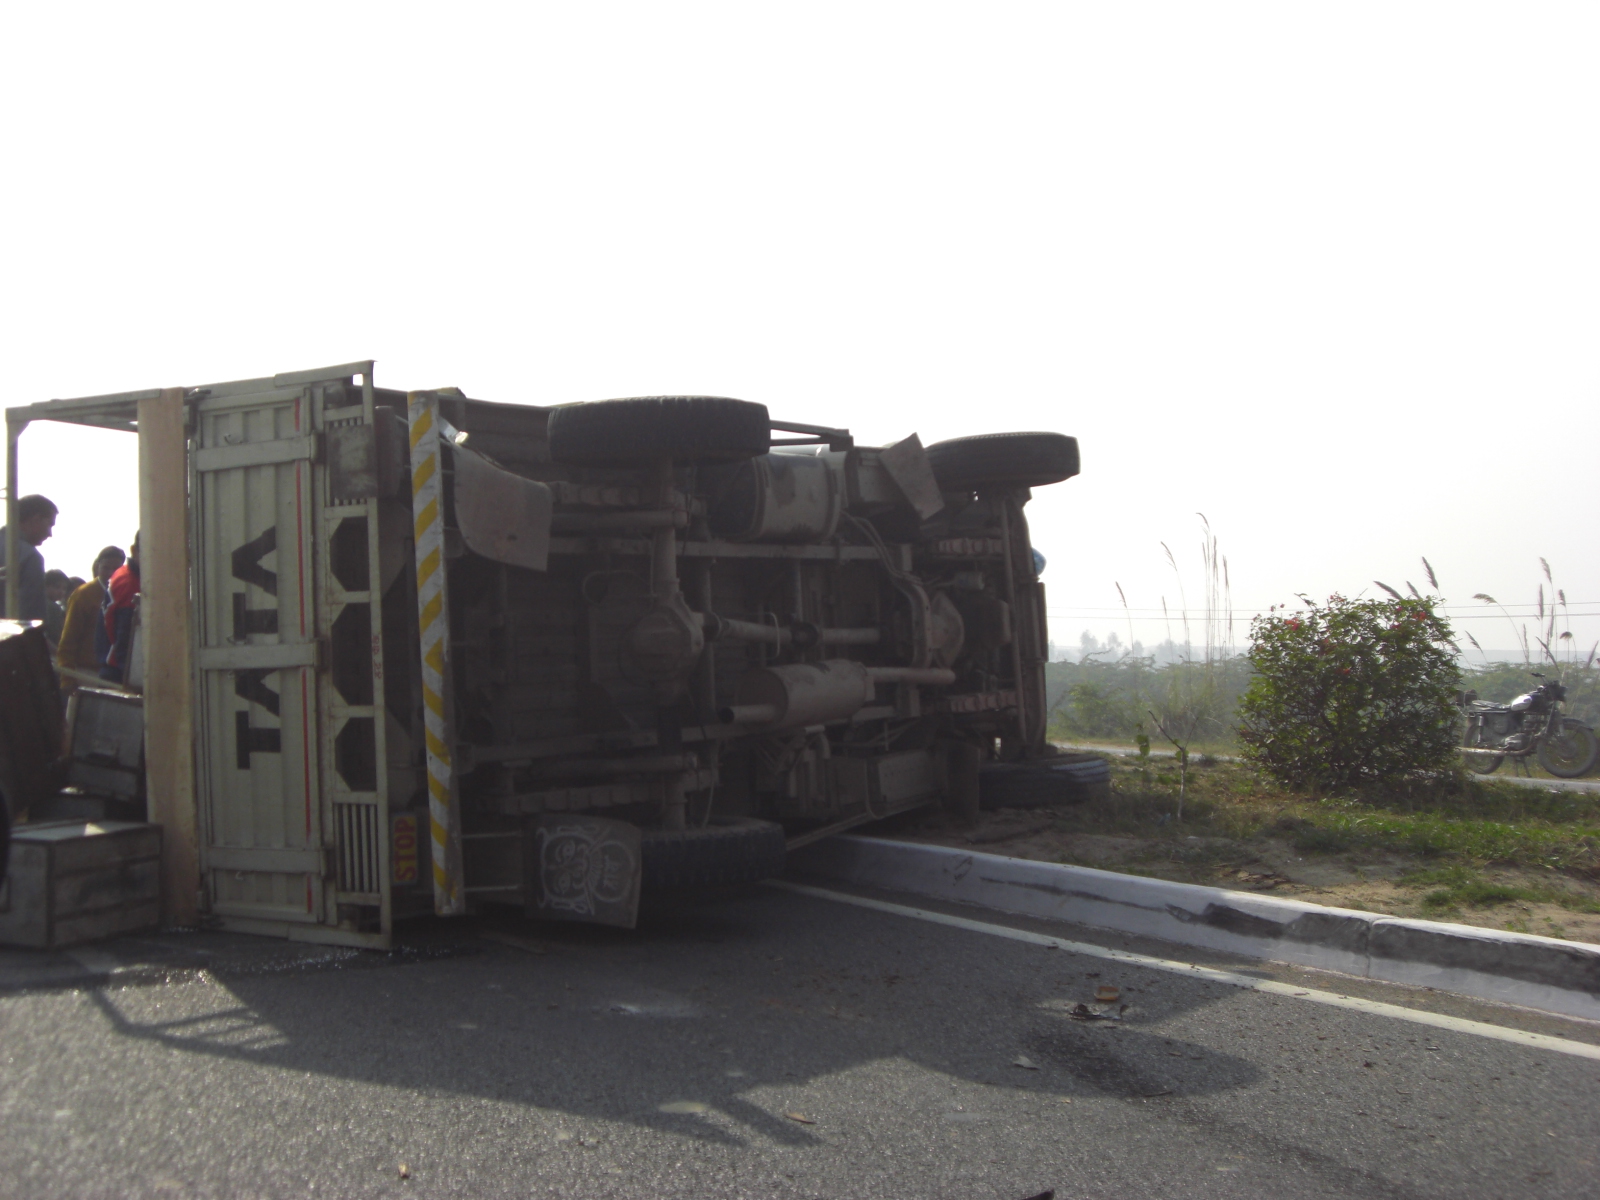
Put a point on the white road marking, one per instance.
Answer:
(1209, 974)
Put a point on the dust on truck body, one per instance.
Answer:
(450, 653)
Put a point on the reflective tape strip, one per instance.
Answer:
(433, 701)
(433, 627)
(427, 566)
(421, 419)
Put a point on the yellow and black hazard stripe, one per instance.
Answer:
(433, 627)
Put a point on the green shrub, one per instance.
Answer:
(1351, 693)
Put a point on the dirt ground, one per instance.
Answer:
(1368, 881)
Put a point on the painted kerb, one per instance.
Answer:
(1537, 972)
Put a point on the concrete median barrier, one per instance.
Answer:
(1514, 968)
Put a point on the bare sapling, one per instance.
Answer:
(1183, 760)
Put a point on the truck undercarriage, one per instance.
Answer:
(727, 651)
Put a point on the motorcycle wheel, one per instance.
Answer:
(1478, 764)
(1570, 752)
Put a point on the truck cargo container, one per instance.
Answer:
(417, 653)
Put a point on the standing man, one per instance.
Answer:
(83, 636)
(36, 520)
(122, 602)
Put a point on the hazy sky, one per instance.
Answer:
(1328, 274)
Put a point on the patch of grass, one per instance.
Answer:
(1436, 835)
(1458, 887)
(1476, 895)
(1451, 820)
(1465, 796)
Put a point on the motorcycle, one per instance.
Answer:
(1531, 724)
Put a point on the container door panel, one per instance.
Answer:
(291, 758)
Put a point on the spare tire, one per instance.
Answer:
(729, 850)
(1016, 459)
(1043, 783)
(648, 428)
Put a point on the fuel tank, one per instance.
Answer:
(778, 498)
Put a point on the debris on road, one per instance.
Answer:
(1026, 1063)
(1106, 994)
(794, 1116)
(405, 1171)
(1082, 1012)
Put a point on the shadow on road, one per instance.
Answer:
(722, 1007)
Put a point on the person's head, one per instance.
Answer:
(107, 561)
(36, 518)
(56, 585)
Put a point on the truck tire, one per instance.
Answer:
(648, 428)
(1016, 459)
(729, 850)
(1045, 783)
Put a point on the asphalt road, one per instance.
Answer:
(769, 1044)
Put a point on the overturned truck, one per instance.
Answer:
(451, 653)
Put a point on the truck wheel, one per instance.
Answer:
(1066, 779)
(727, 851)
(1017, 459)
(647, 428)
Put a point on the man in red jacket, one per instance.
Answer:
(122, 601)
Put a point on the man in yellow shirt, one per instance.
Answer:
(83, 640)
